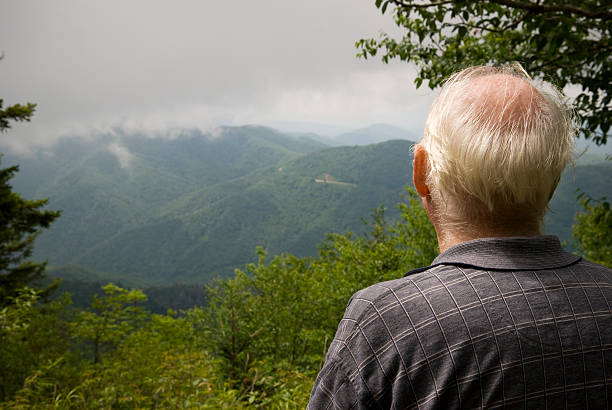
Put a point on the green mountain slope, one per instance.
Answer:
(114, 183)
(212, 230)
(594, 179)
(187, 209)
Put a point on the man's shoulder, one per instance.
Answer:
(416, 282)
(382, 293)
(378, 304)
(424, 293)
(383, 320)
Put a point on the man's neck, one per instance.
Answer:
(453, 231)
(449, 238)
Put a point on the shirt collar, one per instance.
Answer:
(509, 253)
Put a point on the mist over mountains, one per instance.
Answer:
(190, 206)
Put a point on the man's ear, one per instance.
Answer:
(419, 171)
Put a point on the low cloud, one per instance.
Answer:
(364, 97)
(124, 156)
(160, 65)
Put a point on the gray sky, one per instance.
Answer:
(150, 64)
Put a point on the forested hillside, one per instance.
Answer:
(150, 221)
(187, 207)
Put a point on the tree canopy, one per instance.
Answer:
(565, 42)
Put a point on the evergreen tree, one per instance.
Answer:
(21, 220)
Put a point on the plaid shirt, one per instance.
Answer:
(495, 322)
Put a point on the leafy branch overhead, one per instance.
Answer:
(16, 112)
(567, 43)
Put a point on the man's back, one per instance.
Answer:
(504, 317)
(493, 322)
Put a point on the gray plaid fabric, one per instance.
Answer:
(496, 322)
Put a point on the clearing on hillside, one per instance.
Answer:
(329, 179)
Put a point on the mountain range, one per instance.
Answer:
(187, 206)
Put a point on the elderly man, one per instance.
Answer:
(503, 317)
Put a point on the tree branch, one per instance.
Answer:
(549, 8)
(401, 3)
(552, 62)
(605, 14)
(508, 26)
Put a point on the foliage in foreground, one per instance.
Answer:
(593, 230)
(259, 343)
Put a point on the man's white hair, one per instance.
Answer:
(497, 142)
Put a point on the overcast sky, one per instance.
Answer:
(157, 64)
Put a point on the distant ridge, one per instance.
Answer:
(374, 134)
